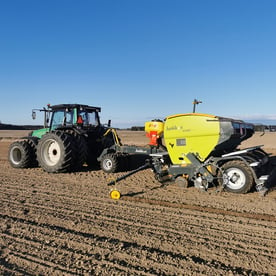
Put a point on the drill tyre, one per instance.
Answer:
(182, 182)
(20, 154)
(110, 163)
(56, 152)
(236, 177)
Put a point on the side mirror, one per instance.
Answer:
(109, 123)
(33, 115)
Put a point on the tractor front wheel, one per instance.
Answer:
(236, 177)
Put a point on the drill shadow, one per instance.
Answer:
(131, 194)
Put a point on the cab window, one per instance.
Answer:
(61, 118)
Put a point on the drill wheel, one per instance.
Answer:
(115, 194)
(182, 182)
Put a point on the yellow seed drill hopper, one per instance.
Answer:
(203, 135)
(202, 148)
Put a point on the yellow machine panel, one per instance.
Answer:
(191, 132)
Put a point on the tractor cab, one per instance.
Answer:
(67, 116)
(74, 115)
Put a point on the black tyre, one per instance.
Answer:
(56, 152)
(236, 177)
(182, 182)
(109, 163)
(80, 148)
(33, 141)
(20, 154)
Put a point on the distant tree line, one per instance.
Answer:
(137, 128)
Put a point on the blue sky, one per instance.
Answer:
(139, 59)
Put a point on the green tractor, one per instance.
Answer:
(72, 135)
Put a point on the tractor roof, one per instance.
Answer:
(79, 106)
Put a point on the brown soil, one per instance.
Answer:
(66, 224)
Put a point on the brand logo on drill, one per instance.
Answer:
(174, 128)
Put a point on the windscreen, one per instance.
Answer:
(90, 118)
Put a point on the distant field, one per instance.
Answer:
(268, 139)
(13, 133)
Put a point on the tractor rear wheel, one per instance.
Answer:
(20, 154)
(110, 163)
(56, 152)
(236, 177)
(82, 150)
(80, 147)
(33, 141)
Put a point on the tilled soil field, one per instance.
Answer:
(66, 224)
